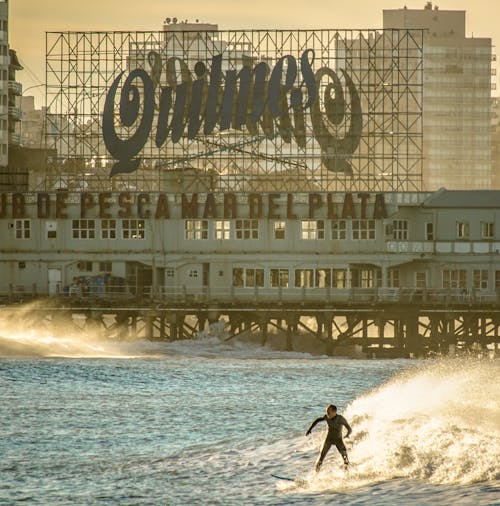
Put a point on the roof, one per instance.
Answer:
(480, 199)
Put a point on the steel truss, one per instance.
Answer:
(384, 65)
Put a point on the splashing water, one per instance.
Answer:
(23, 334)
(21, 337)
(440, 424)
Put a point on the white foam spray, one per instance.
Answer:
(23, 334)
(439, 423)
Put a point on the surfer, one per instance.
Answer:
(334, 437)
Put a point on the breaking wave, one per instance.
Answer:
(439, 423)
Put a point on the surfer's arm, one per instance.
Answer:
(320, 419)
(347, 426)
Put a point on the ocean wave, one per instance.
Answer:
(439, 423)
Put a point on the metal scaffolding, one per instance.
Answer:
(384, 66)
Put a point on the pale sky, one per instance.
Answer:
(30, 19)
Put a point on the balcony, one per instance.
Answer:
(14, 138)
(15, 113)
(15, 88)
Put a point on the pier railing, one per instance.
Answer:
(253, 295)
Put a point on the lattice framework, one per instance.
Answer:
(385, 65)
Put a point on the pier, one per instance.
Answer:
(364, 322)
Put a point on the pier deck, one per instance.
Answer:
(395, 322)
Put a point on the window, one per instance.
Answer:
(480, 279)
(223, 229)
(254, 277)
(247, 229)
(105, 266)
(497, 280)
(196, 229)
(133, 229)
(193, 273)
(108, 229)
(248, 277)
(323, 278)
(169, 272)
(51, 229)
(421, 279)
(339, 278)
(279, 229)
(363, 229)
(363, 278)
(238, 276)
(462, 230)
(83, 229)
(454, 278)
(312, 229)
(366, 278)
(393, 278)
(23, 229)
(278, 277)
(487, 230)
(304, 278)
(339, 229)
(400, 230)
(84, 266)
(429, 231)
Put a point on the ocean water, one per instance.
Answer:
(207, 422)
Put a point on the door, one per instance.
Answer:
(55, 277)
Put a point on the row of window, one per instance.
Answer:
(309, 229)
(487, 230)
(325, 277)
(249, 229)
(87, 229)
(89, 266)
(457, 278)
(320, 277)
(199, 229)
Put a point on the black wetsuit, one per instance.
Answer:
(334, 436)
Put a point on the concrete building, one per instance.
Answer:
(457, 98)
(10, 108)
(4, 82)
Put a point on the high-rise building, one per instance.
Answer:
(10, 106)
(4, 82)
(456, 98)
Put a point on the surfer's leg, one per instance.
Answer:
(324, 450)
(342, 450)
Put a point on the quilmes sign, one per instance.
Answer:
(269, 102)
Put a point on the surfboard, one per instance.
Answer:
(286, 478)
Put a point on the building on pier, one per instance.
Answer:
(255, 246)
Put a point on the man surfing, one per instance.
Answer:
(334, 437)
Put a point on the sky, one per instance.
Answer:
(30, 19)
